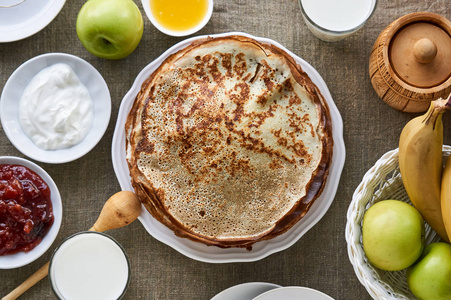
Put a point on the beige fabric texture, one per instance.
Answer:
(319, 260)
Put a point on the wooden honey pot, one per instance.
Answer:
(410, 63)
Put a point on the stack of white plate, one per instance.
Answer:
(269, 291)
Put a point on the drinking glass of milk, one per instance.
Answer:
(89, 265)
(333, 20)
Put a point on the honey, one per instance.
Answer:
(179, 15)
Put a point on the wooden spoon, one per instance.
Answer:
(119, 210)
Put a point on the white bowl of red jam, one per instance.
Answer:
(30, 212)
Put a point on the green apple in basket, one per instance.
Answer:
(110, 29)
(430, 277)
(392, 235)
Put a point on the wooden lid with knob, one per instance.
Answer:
(410, 63)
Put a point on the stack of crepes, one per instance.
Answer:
(229, 142)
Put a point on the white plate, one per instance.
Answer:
(261, 249)
(22, 258)
(245, 291)
(18, 81)
(27, 18)
(293, 292)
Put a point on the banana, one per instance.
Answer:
(446, 196)
(421, 163)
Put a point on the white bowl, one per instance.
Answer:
(260, 249)
(383, 181)
(18, 81)
(20, 19)
(147, 10)
(293, 292)
(245, 291)
(20, 259)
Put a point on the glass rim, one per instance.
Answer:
(339, 32)
(52, 284)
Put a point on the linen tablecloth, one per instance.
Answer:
(319, 260)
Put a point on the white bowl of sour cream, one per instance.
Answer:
(55, 108)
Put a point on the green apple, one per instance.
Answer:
(392, 235)
(430, 277)
(110, 28)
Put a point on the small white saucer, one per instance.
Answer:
(18, 81)
(245, 291)
(293, 292)
(21, 19)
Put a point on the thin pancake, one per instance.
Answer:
(229, 142)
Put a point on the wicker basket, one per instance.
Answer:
(382, 181)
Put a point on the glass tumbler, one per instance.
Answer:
(89, 265)
(333, 20)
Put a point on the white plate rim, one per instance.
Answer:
(260, 250)
(21, 258)
(293, 292)
(9, 102)
(247, 287)
(29, 28)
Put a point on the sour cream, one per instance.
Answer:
(55, 109)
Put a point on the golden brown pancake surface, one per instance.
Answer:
(229, 142)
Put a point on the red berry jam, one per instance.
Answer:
(26, 213)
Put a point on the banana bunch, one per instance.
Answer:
(446, 196)
(421, 167)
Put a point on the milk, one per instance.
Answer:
(88, 266)
(335, 19)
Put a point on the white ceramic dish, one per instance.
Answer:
(293, 292)
(146, 6)
(21, 258)
(261, 249)
(26, 18)
(17, 82)
(245, 291)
